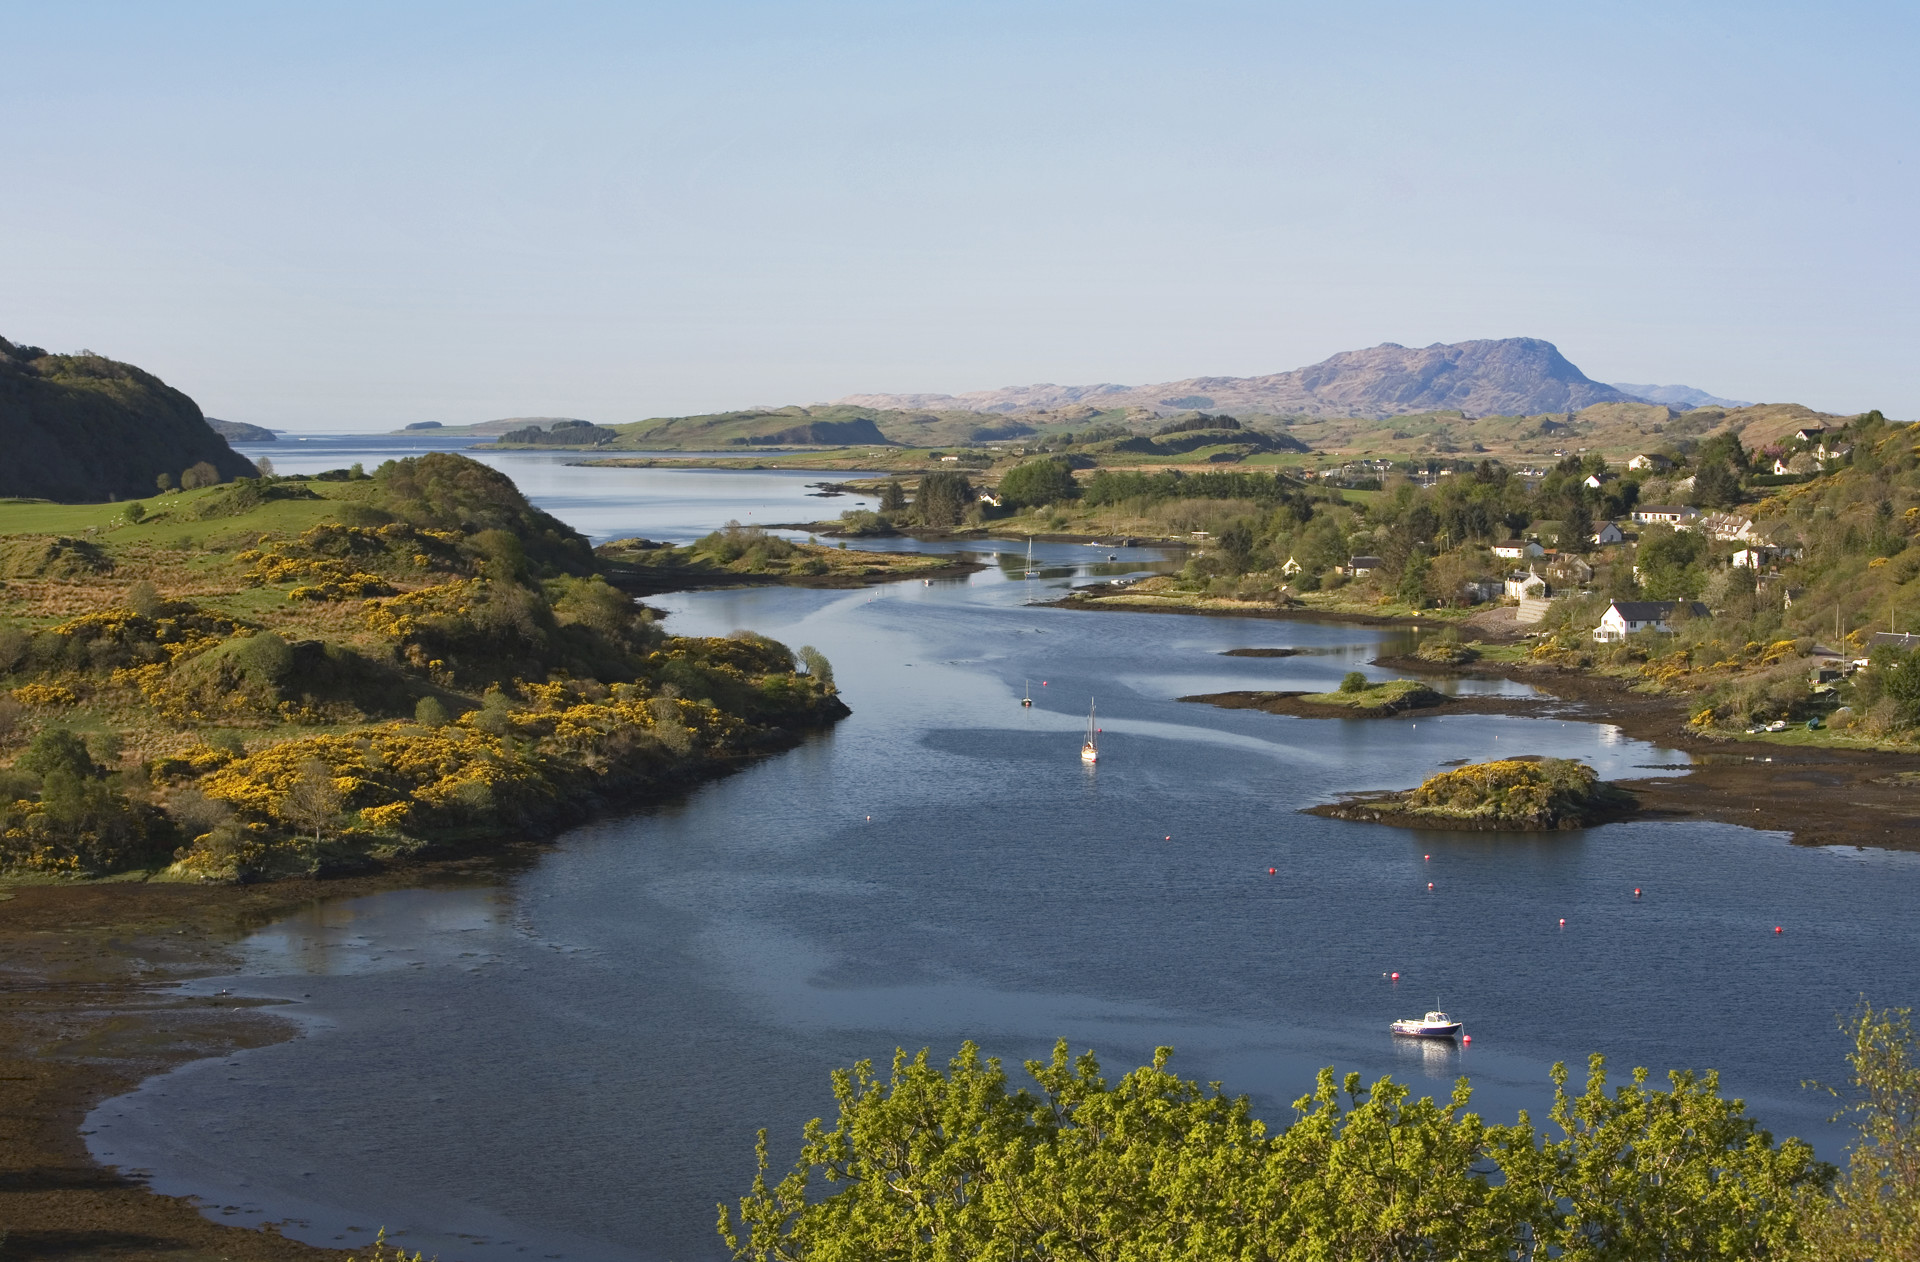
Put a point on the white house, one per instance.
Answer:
(1626, 617)
(1679, 516)
(1652, 460)
(1291, 568)
(1519, 550)
(1524, 583)
(1609, 533)
(1481, 590)
(990, 499)
(1594, 481)
(1761, 555)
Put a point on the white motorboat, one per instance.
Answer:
(1090, 752)
(1435, 1025)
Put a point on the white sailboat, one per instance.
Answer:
(1026, 701)
(1090, 752)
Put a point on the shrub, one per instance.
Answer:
(1353, 681)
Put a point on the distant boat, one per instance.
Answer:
(1027, 700)
(1090, 752)
(1435, 1025)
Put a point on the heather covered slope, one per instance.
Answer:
(83, 427)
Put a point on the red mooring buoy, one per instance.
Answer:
(1429, 884)
(1563, 922)
(1636, 891)
(1396, 977)
(1270, 872)
(1776, 928)
(1466, 1038)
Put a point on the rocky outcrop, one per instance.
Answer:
(81, 428)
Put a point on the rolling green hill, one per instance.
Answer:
(86, 428)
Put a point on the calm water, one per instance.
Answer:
(572, 1064)
(678, 505)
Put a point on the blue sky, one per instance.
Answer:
(349, 216)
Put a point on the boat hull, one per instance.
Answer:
(1089, 754)
(1421, 1030)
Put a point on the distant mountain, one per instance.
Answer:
(1506, 376)
(240, 431)
(85, 428)
(1682, 397)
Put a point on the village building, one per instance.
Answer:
(1629, 617)
(1524, 583)
(1728, 527)
(1480, 591)
(1608, 534)
(1518, 550)
(1569, 571)
(1291, 568)
(1594, 481)
(1360, 567)
(1651, 461)
(1679, 516)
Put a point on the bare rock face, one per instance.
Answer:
(1515, 376)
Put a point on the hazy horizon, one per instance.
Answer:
(360, 217)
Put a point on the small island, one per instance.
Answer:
(740, 556)
(1527, 794)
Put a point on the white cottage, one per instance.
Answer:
(1627, 617)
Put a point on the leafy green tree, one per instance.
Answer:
(1412, 588)
(431, 712)
(1670, 563)
(1715, 486)
(931, 1166)
(164, 481)
(57, 751)
(817, 665)
(1038, 482)
(1875, 1211)
(943, 499)
(1353, 681)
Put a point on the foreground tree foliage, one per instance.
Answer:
(927, 1166)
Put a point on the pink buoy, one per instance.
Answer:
(1563, 922)
(1429, 884)
(1426, 858)
(1466, 1038)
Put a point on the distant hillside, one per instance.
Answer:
(758, 427)
(240, 431)
(1682, 397)
(490, 428)
(1508, 376)
(84, 428)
